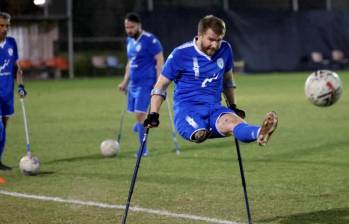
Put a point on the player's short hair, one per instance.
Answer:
(133, 17)
(211, 22)
(5, 15)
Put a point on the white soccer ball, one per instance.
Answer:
(29, 165)
(110, 148)
(323, 88)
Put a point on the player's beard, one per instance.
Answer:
(3, 35)
(208, 50)
(135, 35)
(211, 51)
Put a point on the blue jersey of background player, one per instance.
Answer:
(145, 60)
(9, 70)
(202, 70)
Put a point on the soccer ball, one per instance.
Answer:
(29, 166)
(110, 148)
(323, 88)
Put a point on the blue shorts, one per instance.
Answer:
(6, 106)
(138, 98)
(191, 118)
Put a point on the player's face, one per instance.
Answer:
(4, 25)
(132, 29)
(210, 42)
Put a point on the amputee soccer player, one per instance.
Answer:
(9, 70)
(145, 61)
(202, 70)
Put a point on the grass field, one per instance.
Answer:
(301, 177)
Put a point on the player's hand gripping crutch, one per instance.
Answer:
(25, 127)
(123, 112)
(174, 139)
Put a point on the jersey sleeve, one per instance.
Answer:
(171, 68)
(154, 46)
(15, 49)
(127, 43)
(230, 58)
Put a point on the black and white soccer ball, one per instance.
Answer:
(29, 165)
(110, 148)
(323, 88)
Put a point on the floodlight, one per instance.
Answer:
(40, 2)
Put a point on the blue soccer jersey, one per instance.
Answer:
(8, 59)
(141, 53)
(198, 77)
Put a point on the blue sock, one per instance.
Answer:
(245, 132)
(140, 130)
(2, 138)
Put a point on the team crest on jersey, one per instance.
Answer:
(10, 51)
(138, 47)
(220, 63)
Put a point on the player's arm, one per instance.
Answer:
(229, 87)
(158, 95)
(19, 79)
(159, 58)
(123, 85)
(229, 93)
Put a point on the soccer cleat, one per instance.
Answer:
(268, 127)
(4, 167)
(145, 153)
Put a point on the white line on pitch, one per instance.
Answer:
(104, 205)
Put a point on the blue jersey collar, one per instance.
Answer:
(140, 36)
(199, 51)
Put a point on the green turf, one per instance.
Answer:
(301, 177)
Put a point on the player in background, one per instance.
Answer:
(145, 61)
(202, 70)
(9, 71)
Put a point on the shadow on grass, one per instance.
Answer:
(331, 216)
(93, 157)
(45, 173)
(193, 147)
(74, 159)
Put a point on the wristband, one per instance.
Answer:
(159, 92)
(229, 85)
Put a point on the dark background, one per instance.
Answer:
(268, 35)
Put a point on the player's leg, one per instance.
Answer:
(3, 142)
(132, 98)
(140, 117)
(7, 110)
(191, 126)
(142, 101)
(228, 123)
(1, 134)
